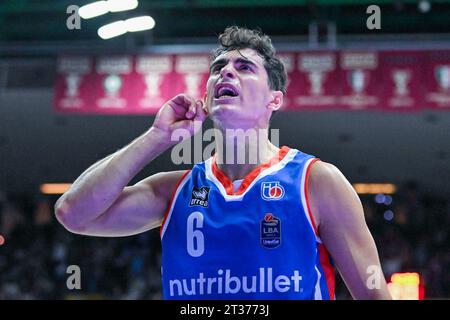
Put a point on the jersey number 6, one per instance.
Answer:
(195, 238)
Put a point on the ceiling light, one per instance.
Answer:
(424, 6)
(120, 27)
(93, 9)
(98, 8)
(140, 23)
(122, 5)
(112, 30)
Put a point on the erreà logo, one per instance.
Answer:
(199, 197)
(272, 190)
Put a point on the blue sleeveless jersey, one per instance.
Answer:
(259, 242)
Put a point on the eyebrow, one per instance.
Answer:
(224, 61)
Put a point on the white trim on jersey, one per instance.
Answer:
(302, 192)
(174, 200)
(318, 291)
(280, 165)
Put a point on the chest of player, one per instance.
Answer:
(267, 222)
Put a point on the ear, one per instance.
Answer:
(276, 101)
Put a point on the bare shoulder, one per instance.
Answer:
(328, 190)
(326, 176)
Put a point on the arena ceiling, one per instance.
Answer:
(44, 21)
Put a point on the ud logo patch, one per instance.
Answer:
(199, 197)
(270, 231)
(272, 190)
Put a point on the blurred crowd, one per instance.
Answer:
(411, 230)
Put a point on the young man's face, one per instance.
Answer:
(238, 92)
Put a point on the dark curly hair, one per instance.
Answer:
(236, 38)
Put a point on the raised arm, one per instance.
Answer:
(100, 203)
(339, 216)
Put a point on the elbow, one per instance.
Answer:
(65, 216)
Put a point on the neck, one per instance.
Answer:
(240, 151)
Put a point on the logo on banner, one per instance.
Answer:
(72, 71)
(152, 82)
(316, 79)
(358, 80)
(112, 85)
(72, 85)
(317, 69)
(270, 231)
(199, 197)
(153, 69)
(401, 80)
(192, 82)
(113, 69)
(193, 68)
(272, 191)
(442, 75)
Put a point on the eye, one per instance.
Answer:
(245, 67)
(215, 69)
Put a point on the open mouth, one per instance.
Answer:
(225, 90)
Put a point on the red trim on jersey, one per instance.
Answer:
(324, 256)
(308, 169)
(328, 269)
(166, 214)
(228, 185)
(222, 177)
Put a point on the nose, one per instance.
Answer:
(227, 72)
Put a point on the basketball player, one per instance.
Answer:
(272, 229)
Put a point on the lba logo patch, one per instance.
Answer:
(272, 190)
(199, 197)
(270, 231)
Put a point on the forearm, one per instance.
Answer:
(96, 165)
(101, 184)
(365, 281)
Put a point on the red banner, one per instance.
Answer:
(437, 80)
(313, 83)
(113, 85)
(73, 91)
(288, 60)
(191, 75)
(360, 80)
(401, 76)
(153, 81)
(319, 80)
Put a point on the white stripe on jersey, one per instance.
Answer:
(302, 192)
(280, 165)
